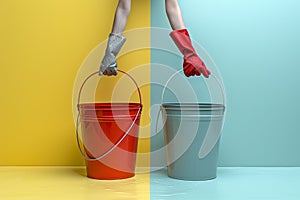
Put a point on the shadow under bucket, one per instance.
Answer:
(109, 136)
(190, 125)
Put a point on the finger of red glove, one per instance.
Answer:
(197, 72)
(188, 69)
(196, 66)
(204, 71)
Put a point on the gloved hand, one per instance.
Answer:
(192, 64)
(108, 65)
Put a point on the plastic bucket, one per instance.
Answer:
(198, 127)
(110, 137)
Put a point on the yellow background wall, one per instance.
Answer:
(42, 45)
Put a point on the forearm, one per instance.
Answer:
(174, 14)
(121, 16)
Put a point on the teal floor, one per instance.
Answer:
(271, 183)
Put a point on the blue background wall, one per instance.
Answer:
(256, 46)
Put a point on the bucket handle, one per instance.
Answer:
(204, 149)
(94, 73)
(125, 134)
(164, 89)
(219, 82)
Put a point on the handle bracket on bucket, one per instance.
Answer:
(125, 134)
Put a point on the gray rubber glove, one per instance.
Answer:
(108, 65)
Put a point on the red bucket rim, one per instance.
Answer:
(110, 106)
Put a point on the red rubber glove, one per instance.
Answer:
(192, 64)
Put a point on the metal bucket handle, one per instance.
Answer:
(212, 75)
(204, 150)
(125, 134)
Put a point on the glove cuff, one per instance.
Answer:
(114, 45)
(183, 42)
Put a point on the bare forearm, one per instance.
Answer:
(121, 16)
(174, 14)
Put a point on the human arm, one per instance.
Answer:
(192, 64)
(115, 42)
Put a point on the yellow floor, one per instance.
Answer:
(67, 183)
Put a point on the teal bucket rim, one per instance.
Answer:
(189, 104)
(193, 106)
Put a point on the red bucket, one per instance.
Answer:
(110, 136)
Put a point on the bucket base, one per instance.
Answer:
(98, 170)
(111, 177)
(192, 178)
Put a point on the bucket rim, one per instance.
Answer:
(120, 105)
(192, 105)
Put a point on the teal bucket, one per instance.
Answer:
(193, 121)
(192, 137)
